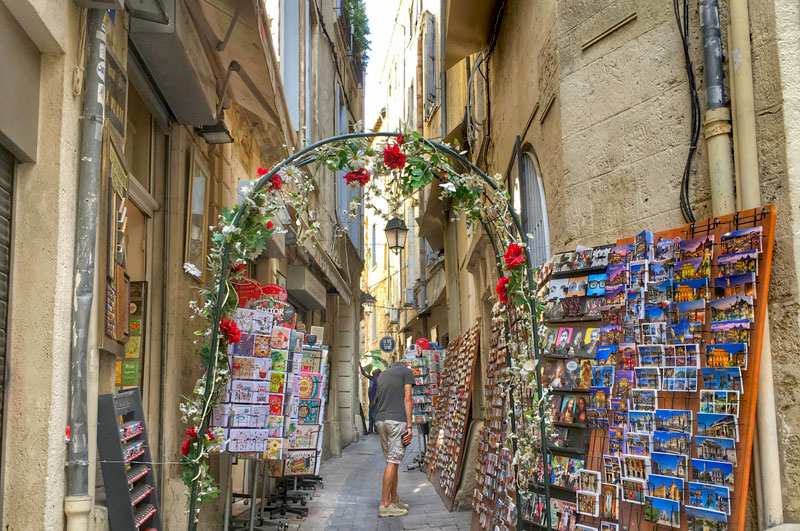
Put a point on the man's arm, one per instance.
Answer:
(409, 404)
(365, 373)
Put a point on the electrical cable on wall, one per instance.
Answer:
(694, 135)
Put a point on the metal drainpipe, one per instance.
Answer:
(718, 117)
(78, 502)
(771, 513)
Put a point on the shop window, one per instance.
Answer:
(429, 75)
(529, 201)
(138, 138)
(197, 215)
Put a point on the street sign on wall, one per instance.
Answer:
(387, 344)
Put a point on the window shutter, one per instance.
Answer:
(429, 64)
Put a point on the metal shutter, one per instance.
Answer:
(6, 186)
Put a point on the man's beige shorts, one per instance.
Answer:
(391, 434)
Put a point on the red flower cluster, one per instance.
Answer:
(262, 171)
(230, 329)
(275, 181)
(270, 225)
(191, 435)
(393, 157)
(514, 256)
(501, 290)
(360, 176)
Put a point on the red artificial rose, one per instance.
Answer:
(501, 289)
(270, 225)
(360, 176)
(514, 256)
(237, 268)
(262, 171)
(393, 157)
(209, 434)
(400, 140)
(185, 446)
(275, 181)
(230, 329)
(190, 433)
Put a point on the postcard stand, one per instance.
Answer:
(126, 462)
(444, 456)
(722, 488)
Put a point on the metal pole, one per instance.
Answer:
(85, 240)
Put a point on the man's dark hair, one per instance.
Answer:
(376, 373)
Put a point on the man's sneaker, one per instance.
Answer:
(399, 503)
(392, 510)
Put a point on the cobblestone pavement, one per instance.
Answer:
(352, 493)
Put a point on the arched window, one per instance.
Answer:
(529, 202)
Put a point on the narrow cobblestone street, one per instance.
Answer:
(352, 491)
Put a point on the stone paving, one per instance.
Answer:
(352, 493)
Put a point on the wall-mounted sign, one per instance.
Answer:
(387, 344)
(116, 96)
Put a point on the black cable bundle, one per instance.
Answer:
(683, 29)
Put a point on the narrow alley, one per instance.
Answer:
(350, 498)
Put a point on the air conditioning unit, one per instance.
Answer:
(410, 300)
(394, 316)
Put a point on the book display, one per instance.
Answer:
(494, 499)
(445, 454)
(653, 353)
(124, 451)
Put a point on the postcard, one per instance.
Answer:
(654, 333)
(731, 331)
(275, 404)
(672, 442)
(635, 467)
(620, 254)
(667, 487)
(563, 514)
(577, 286)
(722, 379)
(602, 376)
(697, 247)
(639, 444)
(612, 469)
(581, 258)
(275, 426)
(279, 359)
(659, 292)
(617, 419)
(247, 440)
(637, 274)
(553, 310)
(715, 497)
(616, 440)
(609, 498)
(588, 503)
(554, 373)
(563, 341)
(712, 472)
(644, 399)
(245, 346)
(742, 240)
(600, 256)
(641, 421)
(691, 290)
(609, 526)
(562, 262)
(704, 519)
(716, 449)
(633, 490)
(674, 420)
(647, 378)
(254, 321)
(732, 308)
(619, 404)
(744, 283)
(280, 337)
(615, 295)
(684, 332)
(249, 392)
(597, 418)
(277, 380)
(717, 425)
(662, 511)
(597, 285)
(606, 355)
(616, 275)
(308, 412)
(650, 355)
(627, 355)
(610, 334)
(564, 471)
(261, 345)
(300, 463)
(668, 464)
(623, 382)
(581, 527)
(305, 436)
(690, 269)
(589, 480)
(558, 288)
(738, 263)
(599, 397)
(661, 271)
(727, 355)
(666, 249)
(248, 368)
(634, 305)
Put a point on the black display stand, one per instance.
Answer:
(125, 459)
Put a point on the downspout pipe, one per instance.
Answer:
(749, 196)
(78, 502)
(717, 131)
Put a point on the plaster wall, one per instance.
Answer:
(41, 294)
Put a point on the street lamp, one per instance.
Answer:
(396, 234)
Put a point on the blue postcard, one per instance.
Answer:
(692, 311)
(606, 355)
(669, 487)
(672, 442)
(674, 420)
(697, 247)
(668, 464)
(662, 511)
(603, 376)
(727, 355)
(650, 355)
(716, 449)
(641, 421)
(738, 263)
(713, 472)
(717, 425)
(732, 308)
(691, 290)
(597, 285)
(704, 518)
(715, 497)
(744, 283)
(722, 379)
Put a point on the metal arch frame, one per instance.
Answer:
(300, 159)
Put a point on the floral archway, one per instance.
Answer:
(407, 162)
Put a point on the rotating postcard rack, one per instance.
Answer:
(663, 343)
(124, 451)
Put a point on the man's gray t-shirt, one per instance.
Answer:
(390, 400)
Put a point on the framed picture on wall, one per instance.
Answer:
(197, 215)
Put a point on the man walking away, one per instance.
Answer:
(393, 405)
(373, 390)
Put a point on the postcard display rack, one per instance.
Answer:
(126, 463)
(275, 400)
(424, 364)
(494, 498)
(653, 347)
(444, 457)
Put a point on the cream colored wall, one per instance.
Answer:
(41, 294)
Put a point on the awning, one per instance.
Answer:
(430, 220)
(305, 287)
(250, 34)
(328, 266)
(469, 27)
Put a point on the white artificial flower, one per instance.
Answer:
(527, 368)
(192, 269)
(450, 187)
(289, 173)
(229, 229)
(355, 161)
